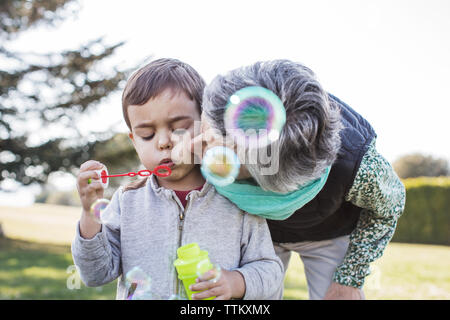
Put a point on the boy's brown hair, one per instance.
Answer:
(152, 79)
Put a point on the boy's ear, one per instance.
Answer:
(131, 136)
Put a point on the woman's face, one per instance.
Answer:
(210, 137)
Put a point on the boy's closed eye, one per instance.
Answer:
(179, 131)
(145, 134)
(148, 137)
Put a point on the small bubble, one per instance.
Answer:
(97, 209)
(220, 165)
(204, 266)
(139, 286)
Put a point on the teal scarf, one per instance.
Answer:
(271, 205)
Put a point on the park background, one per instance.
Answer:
(63, 64)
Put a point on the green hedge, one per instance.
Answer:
(426, 218)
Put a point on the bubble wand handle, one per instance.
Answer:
(118, 175)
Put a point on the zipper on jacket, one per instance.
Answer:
(180, 234)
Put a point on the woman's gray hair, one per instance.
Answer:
(309, 141)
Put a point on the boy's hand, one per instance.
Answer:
(89, 192)
(231, 284)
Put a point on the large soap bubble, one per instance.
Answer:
(254, 116)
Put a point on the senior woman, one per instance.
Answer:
(351, 216)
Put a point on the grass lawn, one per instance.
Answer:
(36, 263)
(405, 271)
(31, 270)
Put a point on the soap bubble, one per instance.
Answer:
(254, 116)
(97, 209)
(220, 166)
(205, 265)
(139, 286)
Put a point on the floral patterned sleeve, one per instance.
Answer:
(378, 190)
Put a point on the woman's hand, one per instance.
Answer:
(231, 284)
(338, 291)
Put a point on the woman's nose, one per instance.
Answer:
(197, 146)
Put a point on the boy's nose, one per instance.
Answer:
(165, 143)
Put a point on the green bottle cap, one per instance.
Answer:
(189, 256)
(189, 251)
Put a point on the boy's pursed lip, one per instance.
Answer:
(167, 162)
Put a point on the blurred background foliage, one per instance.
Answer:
(43, 93)
(420, 165)
(426, 218)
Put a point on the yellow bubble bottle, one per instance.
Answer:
(189, 257)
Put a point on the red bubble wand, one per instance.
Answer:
(100, 205)
(143, 173)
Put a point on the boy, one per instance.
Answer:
(150, 218)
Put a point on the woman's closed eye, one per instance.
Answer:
(179, 131)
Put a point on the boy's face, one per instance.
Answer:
(158, 125)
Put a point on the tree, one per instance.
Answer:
(48, 91)
(419, 165)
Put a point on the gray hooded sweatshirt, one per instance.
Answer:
(145, 224)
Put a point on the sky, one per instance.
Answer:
(389, 60)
